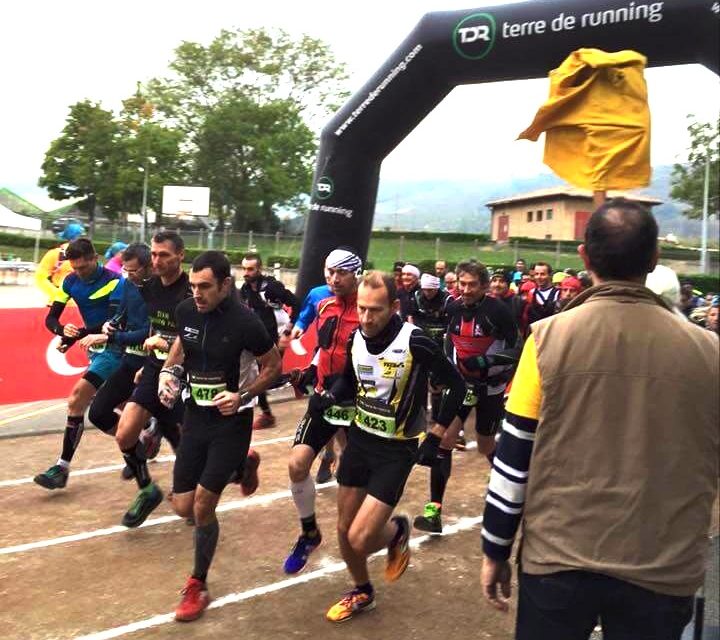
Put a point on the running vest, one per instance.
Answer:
(384, 382)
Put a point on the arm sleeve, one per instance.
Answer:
(427, 352)
(505, 498)
(345, 387)
(133, 308)
(52, 320)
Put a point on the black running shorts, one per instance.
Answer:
(146, 395)
(314, 432)
(380, 465)
(210, 450)
(489, 411)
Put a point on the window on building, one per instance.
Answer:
(548, 214)
(529, 217)
(548, 236)
(538, 216)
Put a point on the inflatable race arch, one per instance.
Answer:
(450, 48)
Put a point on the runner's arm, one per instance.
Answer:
(427, 352)
(344, 388)
(176, 354)
(281, 294)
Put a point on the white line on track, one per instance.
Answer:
(245, 503)
(117, 467)
(31, 414)
(463, 524)
(7, 409)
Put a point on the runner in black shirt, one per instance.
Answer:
(162, 293)
(267, 297)
(217, 353)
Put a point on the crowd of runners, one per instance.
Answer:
(402, 360)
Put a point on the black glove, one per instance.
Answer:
(304, 381)
(319, 403)
(427, 452)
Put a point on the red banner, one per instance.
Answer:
(31, 368)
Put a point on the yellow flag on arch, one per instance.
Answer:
(597, 121)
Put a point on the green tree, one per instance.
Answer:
(688, 180)
(255, 158)
(81, 162)
(257, 64)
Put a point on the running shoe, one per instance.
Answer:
(325, 470)
(431, 519)
(144, 504)
(195, 599)
(250, 479)
(127, 473)
(55, 477)
(264, 421)
(298, 557)
(398, 552)
(151, 439)
(352, 602)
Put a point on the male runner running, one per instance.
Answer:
(219, 346)
(336, 319)
(91, 287)
(478, 328)
(386, 374)
(168, 287)
(266, 297)
(128, 329)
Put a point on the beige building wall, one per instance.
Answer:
(560, 227)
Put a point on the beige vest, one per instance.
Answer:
(624, 470)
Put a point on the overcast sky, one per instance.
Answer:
(57, 53)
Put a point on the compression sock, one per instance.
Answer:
(73, 432)
(303, 494)
(440, 474)
(309, 526)
(263, 402)
(206, 538)
(138, 464)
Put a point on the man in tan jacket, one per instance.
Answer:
(609, 454)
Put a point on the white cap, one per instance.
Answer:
(411, 268)
(429, 281)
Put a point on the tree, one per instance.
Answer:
(80, 163)
(255, 64)
(255, 158)
(688, 180)
(275, 91)
(101, 158)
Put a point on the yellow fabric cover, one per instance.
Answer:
(51, 272)
(597, 121)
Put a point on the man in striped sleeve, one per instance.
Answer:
(608, 455)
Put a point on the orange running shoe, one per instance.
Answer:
(398, 553)
(352, 602)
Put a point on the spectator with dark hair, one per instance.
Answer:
(268, 297)
(542, 298)
(500, 289)
(608, 455)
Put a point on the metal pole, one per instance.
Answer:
(437, 248)
(706, 198)
(277, 243)
(143, 209)
(557, 255)
(36, 250)
(515, 252)
(250, 240)
(225, 235)
(475, 247)
(402, 247)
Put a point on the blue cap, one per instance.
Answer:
(115, 248)
(73, 231)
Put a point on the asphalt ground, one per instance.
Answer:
(69, 570)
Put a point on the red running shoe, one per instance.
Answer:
(264, 421)
(195, 599)
(250, 479)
